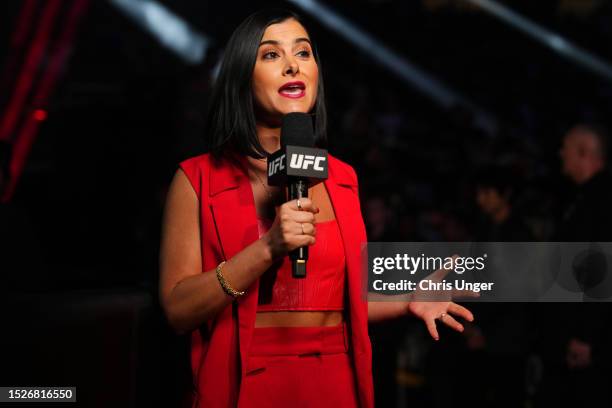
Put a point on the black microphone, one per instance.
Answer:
(297, 165)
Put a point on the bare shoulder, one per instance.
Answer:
(181, 185)
(180, 242)
(181, 204)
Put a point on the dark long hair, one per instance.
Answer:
(230, 123)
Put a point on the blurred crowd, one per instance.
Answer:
(538, 354)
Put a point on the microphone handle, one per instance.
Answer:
(298, 189)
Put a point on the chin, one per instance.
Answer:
(301, 107)
(293, 109)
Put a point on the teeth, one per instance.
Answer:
(292, 87)
(292, 90)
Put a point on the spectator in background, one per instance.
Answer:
(495, 191)
(380, 219)
(585, 208)
(574, 343)
(498, 338)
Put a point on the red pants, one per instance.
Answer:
(299, 367)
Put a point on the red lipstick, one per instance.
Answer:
(294, 90)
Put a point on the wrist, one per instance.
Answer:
(266, 249)
(403, 309)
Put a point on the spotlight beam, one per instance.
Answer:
(169, 29)
(408, 72)
(548, 38)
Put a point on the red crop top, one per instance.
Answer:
(323, 286)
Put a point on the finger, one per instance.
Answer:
(305, 228)
(305, 240)
(451, 322)
(461, 311)
(302, 216)
(306, 204)
(433, 330)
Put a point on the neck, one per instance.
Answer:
(269, 136)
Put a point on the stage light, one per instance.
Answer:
(170, 30)
(548, 38)
(40, 114)
(410, 73)
(390, 60)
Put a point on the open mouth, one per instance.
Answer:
(293, 89)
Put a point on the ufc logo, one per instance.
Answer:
(276, 165)
(301, 161)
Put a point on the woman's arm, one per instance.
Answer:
(427, 305)
(388, 307)
(189, 296)
(427, 311)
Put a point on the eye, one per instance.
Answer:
(270, 55)
(304, 53)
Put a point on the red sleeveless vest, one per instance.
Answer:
(228, 223)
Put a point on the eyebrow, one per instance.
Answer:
(296, 41)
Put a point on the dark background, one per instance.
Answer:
(81, 232)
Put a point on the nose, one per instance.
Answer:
(291, 66)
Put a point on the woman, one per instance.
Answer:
(260, 337)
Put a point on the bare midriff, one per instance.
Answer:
(298, 318)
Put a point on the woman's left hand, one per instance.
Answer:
(430, 311)
(432, 305)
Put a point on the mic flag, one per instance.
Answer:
(297, 157)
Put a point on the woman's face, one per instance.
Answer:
(286, 75)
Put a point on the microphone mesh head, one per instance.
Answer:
(297, 130)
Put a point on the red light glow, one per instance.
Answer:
(40, 114)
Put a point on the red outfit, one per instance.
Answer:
(228, 223)
(323, 287)
(299, 367)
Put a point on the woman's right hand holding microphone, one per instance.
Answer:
(293, 227)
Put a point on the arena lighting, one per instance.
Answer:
(55, 50)
(40, 115)
(415, 77)
(553, 41)
(404, 69)
(170, 30)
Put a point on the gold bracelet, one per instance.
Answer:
(226, 286)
